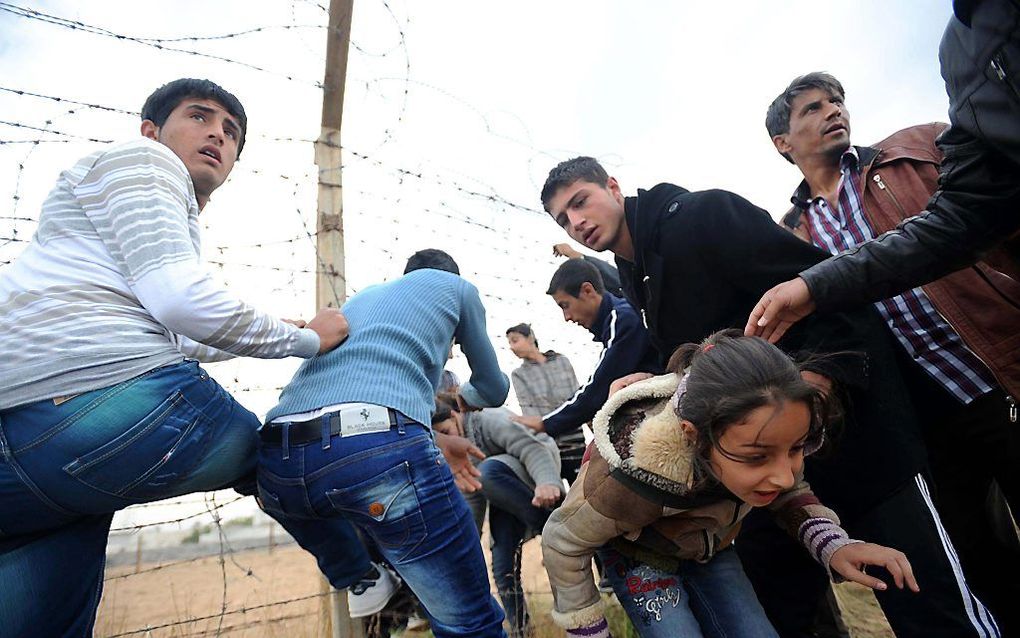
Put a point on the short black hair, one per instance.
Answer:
(166, 98)
(572, 274)
(777, 119)
(566, 173)
(445, 404)
(431, 258)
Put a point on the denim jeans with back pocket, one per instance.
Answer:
(395, 487)
(67, 466)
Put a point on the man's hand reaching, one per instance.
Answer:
(565, 250)
(533, 422)
(332, 328)
(778, 309)
(546, 496)
(458, 452)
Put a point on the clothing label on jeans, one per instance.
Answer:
(363, 418)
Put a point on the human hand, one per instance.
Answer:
(300, 323)
(457, 450)
(533, 422)
(546, 496)
(630, 379)
(565, 250)
(778, 309)
(851, 560)
(331, 326)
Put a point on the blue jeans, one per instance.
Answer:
(511, 514)
(712, 599)
(396, 487)
(65, 469)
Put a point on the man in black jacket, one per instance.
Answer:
(695, 263)
(978, 202)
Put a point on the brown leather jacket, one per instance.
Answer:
(898, 176)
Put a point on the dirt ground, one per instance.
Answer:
(279, 594)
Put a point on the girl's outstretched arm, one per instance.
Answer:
(851, 561)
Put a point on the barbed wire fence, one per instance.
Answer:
(396, 201)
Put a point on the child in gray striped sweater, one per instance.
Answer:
(677, 462)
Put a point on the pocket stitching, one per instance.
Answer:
(416, 516)
(77, 466)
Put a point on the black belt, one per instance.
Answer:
(311, 430)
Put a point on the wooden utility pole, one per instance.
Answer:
(330, 282)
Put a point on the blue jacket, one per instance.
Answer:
(400, 336)
(628, 349)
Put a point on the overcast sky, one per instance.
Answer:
(472, 96)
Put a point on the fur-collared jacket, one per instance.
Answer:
(642, 493)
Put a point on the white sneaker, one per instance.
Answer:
(369, 595)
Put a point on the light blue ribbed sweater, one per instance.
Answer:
(399, 340)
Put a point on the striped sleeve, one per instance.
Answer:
(198, 351)
(817, 527)
(138, 198)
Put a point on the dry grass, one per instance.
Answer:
(161, 603)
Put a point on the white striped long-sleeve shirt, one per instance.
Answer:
(112, 286)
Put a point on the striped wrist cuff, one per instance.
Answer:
(598, 630)
(822, 537)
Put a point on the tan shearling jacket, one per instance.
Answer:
(639, 492)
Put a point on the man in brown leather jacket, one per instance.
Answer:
(960, 351)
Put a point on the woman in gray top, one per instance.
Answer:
(542, 383)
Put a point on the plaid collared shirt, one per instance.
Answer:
(924, 333)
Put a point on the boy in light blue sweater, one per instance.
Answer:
(350, 439)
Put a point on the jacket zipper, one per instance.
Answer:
(1012, 408)
(998, 64)
(881, 185)
(648, 299)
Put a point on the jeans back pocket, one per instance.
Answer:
(150, 457)
(387, 507)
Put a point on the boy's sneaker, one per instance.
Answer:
(370, 594)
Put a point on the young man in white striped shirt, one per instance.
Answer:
(99, 406)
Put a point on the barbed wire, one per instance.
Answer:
(444, 209)
(77, 25)
(3, 142)
(140, 526)
(229, 612)
(55, 98)
(54, 131)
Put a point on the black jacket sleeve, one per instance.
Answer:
(762, 255)
(625, 350)
(976, 207)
